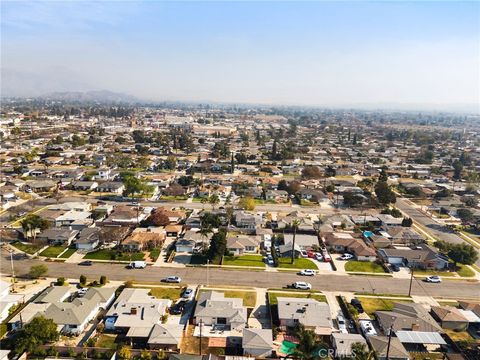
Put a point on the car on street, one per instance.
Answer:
(307, 272)
(172, 279)
(135, 203)
(86, 263)
(187, 294)
(346, 256)
(342, 325)
(302, 285)
(433, 279)
(357, 304)
(178, 308)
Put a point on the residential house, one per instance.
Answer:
(114, 187)
(241, 244)
(312, 314)
(165, 337)
(173, 230)
(407, 316)
(88, 239)
(312, 195)
(388, 220)
(246, 220)
(449, 317)
(342, 343)
(399, 235)
(57, 236)
(276, 195)
(192, 241)
(257, 342)
(142, 238)
(396, 350)
(423, 257)
(7, 300)
(84, 185)
(304, 241)
(38, 186)
(345, 242)
(213, 308)
(104, 174)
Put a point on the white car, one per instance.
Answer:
(172, 279)
(318, 256)
(433, 279)
(346, 257)
(307, 272)
(302, 285)
(342, 326)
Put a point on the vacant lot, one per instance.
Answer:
(108, 254)
(272, 296)
(370, 305)
(28, 248)
(245, 260)
(363, 266)
(166, 292)
(300, 263)
(53, 251)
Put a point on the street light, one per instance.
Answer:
(208, 267)
(13, 271)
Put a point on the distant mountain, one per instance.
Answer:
(91, 96)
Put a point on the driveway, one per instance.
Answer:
(182, 258)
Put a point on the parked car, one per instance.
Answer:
(135, 203)
(318, 256)
(307, 272)
(303, 254)
(172, 279)
(86, 263)
(187, 294)
(311, 254)
(346, 256)
(327, 258)
(342, 326)
(357, 304)
(395, 267)
(367, 328)
(302, 285)
(178, 308)
(433, 279)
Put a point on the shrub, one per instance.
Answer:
(145, 355)
(83, 280)
(71, 353)
(61, 281)
(103, 280)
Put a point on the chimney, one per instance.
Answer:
(415, 327)
(133, 311)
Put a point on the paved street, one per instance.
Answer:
(263, 279)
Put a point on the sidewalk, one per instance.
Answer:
(259, 318)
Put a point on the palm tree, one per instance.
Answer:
(205, 230)
(204, 201)
(294, 225)
(308, 346)
(213, 200)
(362, 352)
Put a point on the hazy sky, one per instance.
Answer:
(318, 53)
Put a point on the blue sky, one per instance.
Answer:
(316, 53)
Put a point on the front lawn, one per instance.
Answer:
(27, 248)
(53, 251)
(370, 305)
(363, 266)
(166, 292)
(173, 198)
(299, 263)
(465, 271)
(68, 253)
(249, 297)
(108, 254)
(272, 296)
(245, 260)
(154, 254)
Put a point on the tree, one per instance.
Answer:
(83, 280)
(134, 185)
(463, 253)
(218, 246)
(170, 163)
(330, 171)
(39, 331)
(352, 199)
(457, 169)
(103, 280)
(361, 352)
(60, 281)
(124, 353)
(247, 203)
(294, 225)
(407, 222)
(37, 271)
(311, 172)
(157, 218)
(31, 223)
(213, 200)
(465, 215)
(308, 347)
(384, 194)
(145, 355)
(205, 230)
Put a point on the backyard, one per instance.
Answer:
(53, 251)
(245, 260)
(299, 263)
(109, 254)
(363, 266)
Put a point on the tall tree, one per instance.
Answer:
(31, 223)
(295, 223)
(39, 331)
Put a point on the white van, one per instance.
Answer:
(137, 265)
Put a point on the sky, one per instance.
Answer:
(305, 53)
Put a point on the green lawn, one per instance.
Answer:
(272, 296)
(106, 341)
(245, 260)
(154, 254)
(173, 198)
(300, 263)
(465, 271)
(68, 253)
(249, 297)
(166, 292)
(108, 254)
(363, 266)
(370, 305)
(28, 248)
(53, 251)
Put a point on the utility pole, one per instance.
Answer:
(389, 340)
(13, 270)
(208, 274)
(200, 342)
